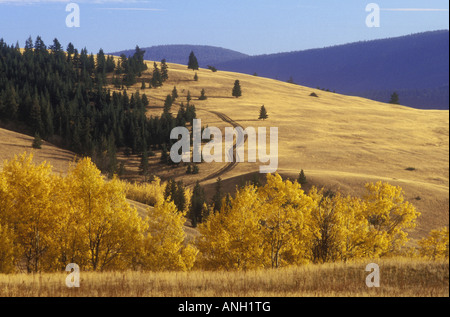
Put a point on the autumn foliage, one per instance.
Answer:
(48, 221)
(279, 225)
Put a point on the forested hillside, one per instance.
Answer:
(62, 96)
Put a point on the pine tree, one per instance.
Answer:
(37, 142)
(36, 116)
(168, 104)
(164, 155)
(174, 93)
(157, 77)
(263, 113)
(196, 77)
(144, 167)
(164, 70)
(197, 203)
(193, 63)
(302, 178)
(188, 97)
(217, 198)
(237, 92)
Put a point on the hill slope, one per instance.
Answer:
(341, 142)
(415, 65)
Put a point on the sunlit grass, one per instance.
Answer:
(399, 278)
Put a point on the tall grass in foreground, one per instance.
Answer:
(399, 277)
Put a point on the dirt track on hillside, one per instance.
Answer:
(230, 166)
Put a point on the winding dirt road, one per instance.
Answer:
(242, 137)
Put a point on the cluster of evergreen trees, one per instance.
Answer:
(64, 94)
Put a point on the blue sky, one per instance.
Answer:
(249, 26)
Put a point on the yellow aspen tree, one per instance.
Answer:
(231, 239)
(338, 227)
(389, 216)
(29, 208)
(164, 245)
(109, 225)
(8, 251)
(285, 218)
(71, 239)
(435, 246)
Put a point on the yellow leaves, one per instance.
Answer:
(7, 251)
(339, 228)
(435, 246)
(260, 228)
(278, 225)
(389, 216)
(27, 197)
(147, 193)
(57, 220)
(164, 247)
(286, 212)
(48, 221)
(231, 239)
(105, 219)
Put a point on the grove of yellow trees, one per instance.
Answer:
(48, 221)
(278, 225)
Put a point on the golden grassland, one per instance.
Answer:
(398, 278)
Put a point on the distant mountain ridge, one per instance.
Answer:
(179, 54)
(416, 66)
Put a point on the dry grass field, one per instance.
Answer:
(341, 142)
(398, 278)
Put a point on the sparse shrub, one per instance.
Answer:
(411, 169)
(212, 68)
(313, 94)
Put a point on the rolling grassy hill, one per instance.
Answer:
(341, 142)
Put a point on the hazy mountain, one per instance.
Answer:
(179, 54)
(417, 66)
